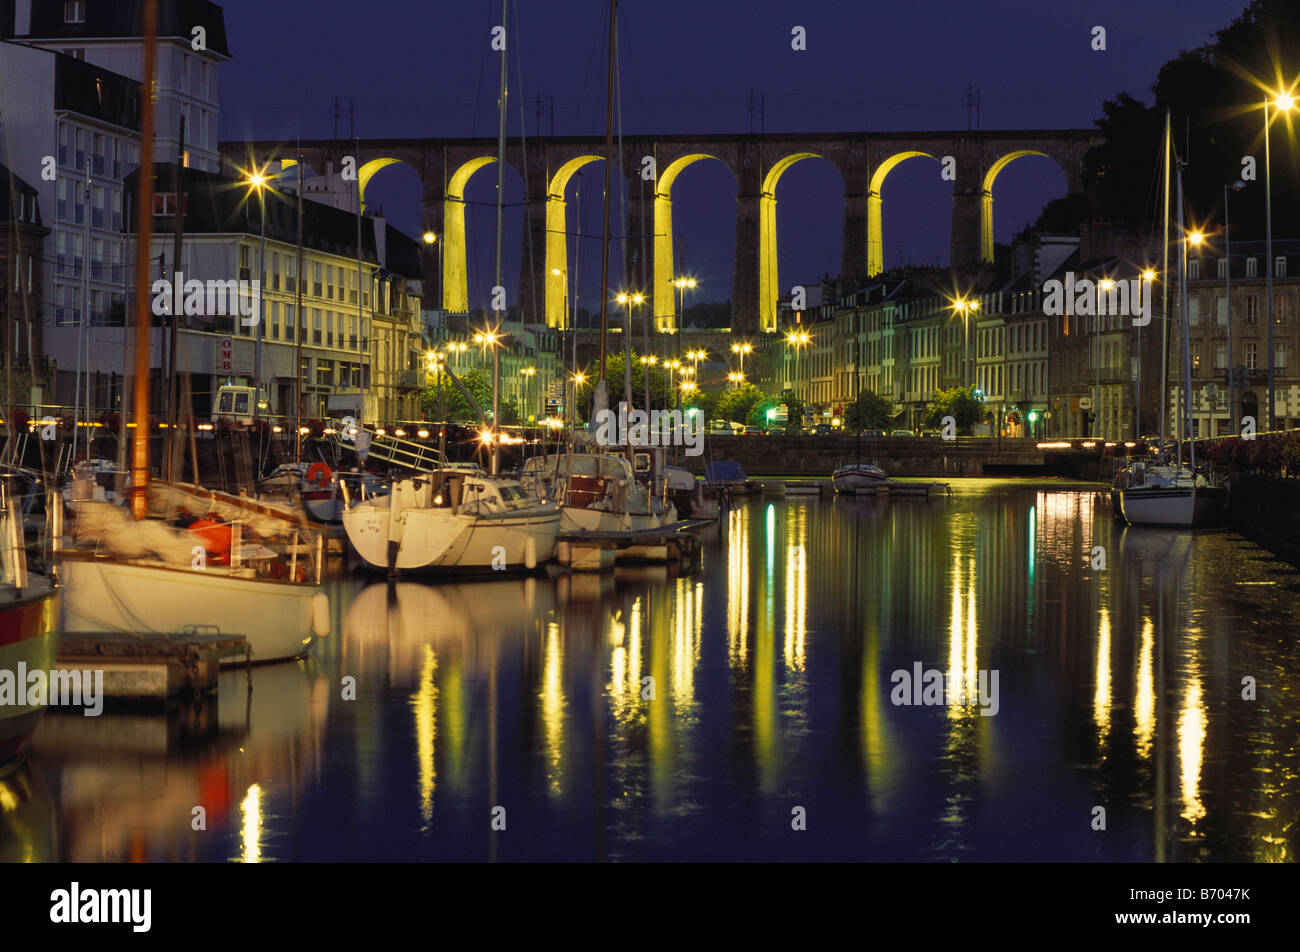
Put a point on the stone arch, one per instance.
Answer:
(769, 292)
(371, 168)
(664, 314)
(557, 246)
(875, 203)
(986, 195)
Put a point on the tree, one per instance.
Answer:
(736, 403)
(960, 403)
(455, 408)
(869, 411)
(794, 407)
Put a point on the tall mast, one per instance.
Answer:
(609, 161)
(501, 214)
(297, 326)
(178, 230)
(144, 235)
(1185, 386)
(1164, 293)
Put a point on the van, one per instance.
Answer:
(235, 405)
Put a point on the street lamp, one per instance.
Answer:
(630, 302)
(736, 378)
(742, 350)
(965, 307)
(798, 339)
(681, 284)
(259, 181)
(1283, 102)
(530, 372)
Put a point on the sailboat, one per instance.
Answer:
(599, 492)
(1164, 492)
(185, 559)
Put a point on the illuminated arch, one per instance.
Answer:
(875, 227)
(662, 294)
(557, 246)
(455, 258)
(986, 198)
(768, 276)
(368, 171)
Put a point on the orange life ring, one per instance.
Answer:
(319, 474)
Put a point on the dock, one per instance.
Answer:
(152, 668)
(822, 488)
(598, 551)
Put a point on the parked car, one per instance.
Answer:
(823, 429)
(753, 431)
(901, 433)
(873, 432)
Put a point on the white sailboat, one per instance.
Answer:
(452, 519)
(599, 492)
(1164, 492)
(184, 559)
(858, 476)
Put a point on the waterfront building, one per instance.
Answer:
(22, 271)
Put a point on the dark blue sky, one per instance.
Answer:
(422, 68)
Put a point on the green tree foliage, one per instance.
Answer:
(869, 411)
(794, 422)
(735, 403)
(960, 404)
(479, 383)
(1216, 94)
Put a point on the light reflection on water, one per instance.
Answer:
(648, 716)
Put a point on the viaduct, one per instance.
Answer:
(972, 161)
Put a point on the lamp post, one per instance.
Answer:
(528, 372)
(435, 360)
(682, 284)
(647, 361)
(630, 302)
(798, 340)
(258, 181)
(742, 350)
(1282, 102)
(736, 378)
(672, 367)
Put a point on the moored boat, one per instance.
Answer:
(599, 492)
(1167, 495)
(858, 476)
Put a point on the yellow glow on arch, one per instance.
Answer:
(369, 170)
(557, 247)
(875, 226)
(662, 298)
(986, 198)
(768, 275)
(455, 259)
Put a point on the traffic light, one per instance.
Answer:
(1033, 417)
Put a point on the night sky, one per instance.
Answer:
(423, 69)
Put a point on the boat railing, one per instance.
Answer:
(369, 443)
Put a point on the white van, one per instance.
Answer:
(235, 405)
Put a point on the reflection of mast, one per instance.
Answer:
(144, 234)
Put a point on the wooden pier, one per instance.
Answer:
(599, 551)
(152, 668)
(822, 488)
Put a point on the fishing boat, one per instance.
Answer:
(452, 519)
(28, 634)
(183, 559)
(598, 492)
(856, 476)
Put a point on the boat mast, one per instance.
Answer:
(1164, 293)
(297, 324)
(501, 211)
(1184, 389)
(144, 235)
(609, 161)
(178, 229)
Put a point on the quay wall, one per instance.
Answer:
(1266, 510)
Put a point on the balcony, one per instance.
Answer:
(409, 380)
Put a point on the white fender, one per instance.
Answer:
(320, 614)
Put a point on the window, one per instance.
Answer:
(74, 11)
(1196, 357)
(97, 164)
(117, 211)
(1252, 355)
(80, 156)
(61, 205)
(1223, 267)
(316, 280)
(1193, 269)
(1252, 309)
(1194, 311)
(178, 70)
(315, 326)
(97, 258)
(1252, 267)
(97, 212)
(275, 320)
(1279, 267)
(324, 373)
(1279, 309)
(329, 282)
(1221, 310)
(1279, 356)
(1220, 356)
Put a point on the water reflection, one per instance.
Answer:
(642, 715)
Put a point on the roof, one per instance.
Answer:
(121, 19)
(11, 183)
(96, 92)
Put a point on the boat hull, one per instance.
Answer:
(1183, 506)
(28, 636)
(849, 478)
(281, 620)
(436, 539)
(582, 519)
